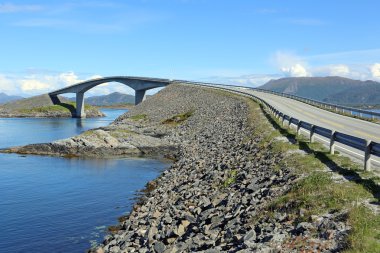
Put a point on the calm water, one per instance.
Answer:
(50, 204)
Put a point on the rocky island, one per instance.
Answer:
(43, 107)
(236, 185)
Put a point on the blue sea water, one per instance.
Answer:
(51, 204)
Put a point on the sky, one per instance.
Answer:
(46, 45)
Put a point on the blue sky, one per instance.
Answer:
(50, 44)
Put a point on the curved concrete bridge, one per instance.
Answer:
(139, 84)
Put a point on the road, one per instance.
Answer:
(326, 119)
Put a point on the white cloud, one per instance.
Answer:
(339, 70)
(290, 64)
(33, 85)
(296, 70)
(39, 82)
(375, 70)
(333, 70)
(69, 78)
(6, 85)
(253, 80)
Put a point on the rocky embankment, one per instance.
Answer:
(42, 106)
(213, 197)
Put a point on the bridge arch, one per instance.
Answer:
(139, 84)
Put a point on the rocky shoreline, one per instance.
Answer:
(214, 197)
(42, 106)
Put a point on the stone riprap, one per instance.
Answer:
(221, 181)
(213, 196)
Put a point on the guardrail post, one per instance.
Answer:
(290, 122)
(283, 120)
(367, 155)
(299, 128)
(312, 129)
(332, 142)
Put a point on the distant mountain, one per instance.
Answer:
(115, 98)
(332, 89)
(4, 98)
(367, 94)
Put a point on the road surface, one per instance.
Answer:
(316, 116)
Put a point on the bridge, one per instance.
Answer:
(139, 84)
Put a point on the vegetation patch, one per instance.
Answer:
(178, 119)
(231, 178)
(121, 133)
(138, 117)
(316, 192)
(63, 107)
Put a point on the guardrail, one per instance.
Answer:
(367, 146)
(334, 107)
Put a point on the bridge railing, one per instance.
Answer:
(370, 148)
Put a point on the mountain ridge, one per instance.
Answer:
(115, 98)
(4, 98)
(332, 89)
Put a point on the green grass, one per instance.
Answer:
(53, 108)
(178, 119)
(44, 109)
(230, 179)
(121, 133)
(365, 234)
(138, 117)
(316, 193)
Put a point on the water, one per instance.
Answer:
(21, 131)
(50, 204)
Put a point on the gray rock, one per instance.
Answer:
(159, 247)
(249, 238)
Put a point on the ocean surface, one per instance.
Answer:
(51, 204)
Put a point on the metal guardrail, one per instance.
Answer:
(367, 146)
(334, 107)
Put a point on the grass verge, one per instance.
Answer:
(317, 193)
(178, 119)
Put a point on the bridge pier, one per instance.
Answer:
(139, 96)
(80, 105)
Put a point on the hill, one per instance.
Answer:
(43, 106)
(4, 98)
(115, 98)
(332, 89)
(367, 94)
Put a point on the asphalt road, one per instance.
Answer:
(326, 119)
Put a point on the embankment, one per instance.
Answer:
(234, 186)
